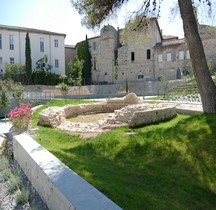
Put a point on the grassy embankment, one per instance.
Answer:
(170, 165)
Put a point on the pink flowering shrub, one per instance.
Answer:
(21, 116)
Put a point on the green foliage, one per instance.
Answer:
(42, 77)
(63, 77)
(212, 69)
(164, 85)
(94, 12)
(14, 183)
(15, 72)
(75, 71)
(87, 66)
(64, 89)
(7, 84)
(4, 98)
(7, 174)
(43, 65)
(136, 29)
(17, 91)
(170, 165)
(84, 54)
(116, 71)
(4, 163)
(28, 60)
(23, 196)
(34, 102)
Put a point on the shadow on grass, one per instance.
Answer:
(162, 168)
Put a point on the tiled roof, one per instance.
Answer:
(30, 30)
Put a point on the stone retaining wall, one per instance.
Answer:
(151, 116)
(59, 187)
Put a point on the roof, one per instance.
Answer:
(169, 37)
(30, 30)
(70, 46)
(169, 42)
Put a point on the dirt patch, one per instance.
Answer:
(90, 118)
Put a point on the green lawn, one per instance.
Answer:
(170, 165)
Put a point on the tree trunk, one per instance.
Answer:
(201, 72)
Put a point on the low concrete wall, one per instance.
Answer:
(59, 187)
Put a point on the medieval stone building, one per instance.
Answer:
(146, 56)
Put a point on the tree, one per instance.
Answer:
(95, 12)
(75, 71)
(15, 72)
(64, 89)
(83, 53)
(116, 71)
(42, 64)
(87, 64)
(28, 61)
(17, 92)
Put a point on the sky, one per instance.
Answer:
(59, 16)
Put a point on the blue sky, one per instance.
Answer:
(59, 16)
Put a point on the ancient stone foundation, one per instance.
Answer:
(129, 110)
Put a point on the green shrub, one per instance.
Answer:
(4, 163)
(23, 196)
(14, 183)
(7, 174)
(42, 77)
(15, 72)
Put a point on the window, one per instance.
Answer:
(0, 41)
(41, 45)
(56, 63)
(132, 56)
(94, 46)
(181, 55)
(94, 64)
(148, 54)
(0, 61)
(187, 54)
(141, 76)
(160, 58)
(11, 60)
(11, 42)
(56, 43)
(169, 57)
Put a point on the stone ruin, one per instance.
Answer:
(129, 110)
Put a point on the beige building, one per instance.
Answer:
(147, 56)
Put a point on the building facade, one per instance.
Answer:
(147, 56)
(12, 47)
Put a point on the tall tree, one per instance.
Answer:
(87, 63)
(28, 60)
(96, 11)
(201, 71)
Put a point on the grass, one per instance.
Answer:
(13, 181)
(170, 165)
(55, 102)
(23, 196)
